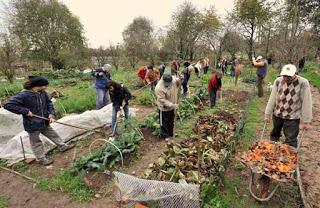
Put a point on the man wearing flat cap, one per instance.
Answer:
(167, 91)
(34, 100)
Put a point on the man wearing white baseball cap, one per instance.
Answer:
(290, 104)
(262, 66)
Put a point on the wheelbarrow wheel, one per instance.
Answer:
(256, 197)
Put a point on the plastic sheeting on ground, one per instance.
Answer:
(11, 130)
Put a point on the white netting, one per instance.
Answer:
(165, 194)
(11, 130)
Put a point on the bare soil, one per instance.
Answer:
(310, 154)
(286, 196)
(22, 193)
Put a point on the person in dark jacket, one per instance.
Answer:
(301, 63)
(162, 67)
(34, 100)
(186, 76)
(120, 97)
(213, 86)
(102, 76)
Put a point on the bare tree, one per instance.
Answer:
(116, 53)
(249, 15)
(138, 40)
(9, 54)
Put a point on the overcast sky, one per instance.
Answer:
(104, 20)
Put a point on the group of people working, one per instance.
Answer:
(290, 102)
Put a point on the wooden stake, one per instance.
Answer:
(19, 174)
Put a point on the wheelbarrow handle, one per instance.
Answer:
(258, 198)
(300, 140)
(263, 130)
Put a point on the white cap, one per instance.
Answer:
(288, 70)
(258, 58)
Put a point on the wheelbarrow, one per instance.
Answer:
(277, 181)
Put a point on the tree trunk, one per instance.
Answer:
(57, 64)
(251, 52)
(268, 42)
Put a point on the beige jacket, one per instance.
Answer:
(302, 105)
(167, 97)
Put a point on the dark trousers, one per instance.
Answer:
(290, 129)
(213, 97)
(185, 83)
(205, 69)
(153, 85)
(197, 71)
(185, 86)
(166, 119)
(224, 70)
(260, 79)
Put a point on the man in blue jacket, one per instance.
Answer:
(34, 100)
(262, 66)
(102, 76)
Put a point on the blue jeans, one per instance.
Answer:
(114, 116)
(102, 98)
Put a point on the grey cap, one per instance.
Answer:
(167, 79)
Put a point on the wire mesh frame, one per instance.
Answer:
(166, 194)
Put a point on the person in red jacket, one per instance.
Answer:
(142, 71)
(213, 86)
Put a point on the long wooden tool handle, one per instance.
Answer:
(78, 127)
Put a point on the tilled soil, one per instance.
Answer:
(22, 193)
(310, 154)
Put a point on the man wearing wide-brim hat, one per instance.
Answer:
(290, 105)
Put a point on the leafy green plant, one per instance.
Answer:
(186, 108)
(3, 163)
(152, 122)
(66, 182)
(239, 166)
(146, 97)
(3, 202)
(107, 157)
(202, 93)
(249, 79)
(19, 166)
(10, 89)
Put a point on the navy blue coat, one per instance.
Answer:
(38, 103)
(101, 80)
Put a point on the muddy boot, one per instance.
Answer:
(45, 161)
(66, 147)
